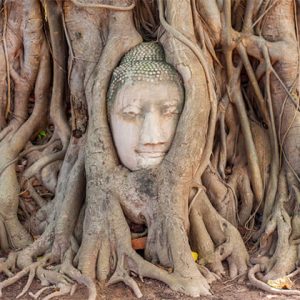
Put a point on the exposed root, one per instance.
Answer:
(208, 275)
(38, 248)
(63, 290)
(28, 284)
(293, 274)
(265, 287)
(3, 237)
(37, 198)
(277, 240)
(60, 277)
(216, 240)
(73, 273)
(8, 266)
(39, 293)
(122, 275)
(101, 5)
(31, 269)
(42, 163)
(117, 249)
(222, 195)
(129, 261)
(240, 183)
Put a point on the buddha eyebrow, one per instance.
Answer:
(131, 106)
(172, 103)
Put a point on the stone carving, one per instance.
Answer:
(145, 100)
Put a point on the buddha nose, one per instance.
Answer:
(152, 131)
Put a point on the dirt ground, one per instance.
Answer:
(152, 289)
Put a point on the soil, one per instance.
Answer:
(152, 289)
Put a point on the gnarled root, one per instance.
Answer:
(61, 277)
(221, 195)
(8, 266)
(166, 248)
(64, 277)
(110, 241)
(265, 287)
(279, 253)
(31, 269)
(233, 200)
(216, 240)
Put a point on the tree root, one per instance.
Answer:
(31, 270)
(122, 274)
(277, 240)
(208, 275)
(129, 261)
(29, 282)
(36, 197)
(63, 290)
(68, 269)
(8, 266)
(46, 277)
(222, 196)
(62, 276)
(115, 247)
(265, 287)
(278, 246)
(216, 240)
(38, 293)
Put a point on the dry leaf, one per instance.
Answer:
(281, 283)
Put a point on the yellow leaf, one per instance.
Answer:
(195, 255)
(281, 283)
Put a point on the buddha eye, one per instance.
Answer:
(170, 110)
(131, 112)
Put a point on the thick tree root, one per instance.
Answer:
(63, 290)
(31, 270)
(8, 266)
(132, 262)
(208, 275)
(62, 277)
(115, 247)
(216, 240)
(222, 196)
(279, 254)
(46, 277)
(265, 287)
(278, 241)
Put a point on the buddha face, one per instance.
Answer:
(143, 120)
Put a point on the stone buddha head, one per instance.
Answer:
(145, 99)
